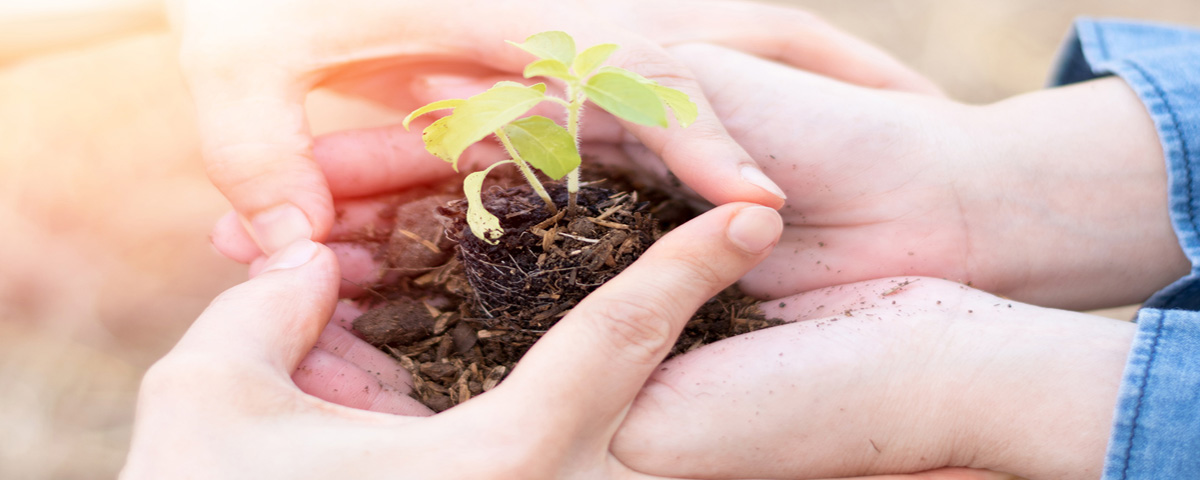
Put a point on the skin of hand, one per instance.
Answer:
(250, 65)
(221, 403)
(1057, 197)
(888, 376)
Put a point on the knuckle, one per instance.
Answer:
(655, 64)
(247, 165)
(637, 327)
(700, 271)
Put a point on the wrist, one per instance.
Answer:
(1067, 195)
(1051, 396)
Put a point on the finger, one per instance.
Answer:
(788, 35)
(387, 370)
(587, 369)
(704, 156)
(945, 474)
(738, 406)
(257, 152)
(230, 239)
(841, 300)
(273, 319)
(337, 380)
(384, 159)
(360, 269)
(344, 314)
(755, 397)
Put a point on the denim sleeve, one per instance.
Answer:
(1156, 428)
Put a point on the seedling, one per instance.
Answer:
(536, 141)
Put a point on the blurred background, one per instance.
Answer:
(105, 210)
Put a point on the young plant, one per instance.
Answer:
(536, 141)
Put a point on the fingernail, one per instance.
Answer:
(755, 229)
(292, 256)
(751, 174)
(280, 226)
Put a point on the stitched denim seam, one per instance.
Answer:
(1187, 164)
(1137, 409)
(1144, 381)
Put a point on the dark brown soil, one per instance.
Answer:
(461, 312)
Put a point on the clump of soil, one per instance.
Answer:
(460, 312)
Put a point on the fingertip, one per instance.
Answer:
(360, 269)
(230, 239)
(280, 226)
(755, 229)
(276, 316)
(753, 175)
(344, 314)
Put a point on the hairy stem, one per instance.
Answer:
(530, 177)
(575, 95)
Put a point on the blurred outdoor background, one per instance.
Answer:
(105, 210)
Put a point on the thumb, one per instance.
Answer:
(258, 152)
(704, 156)
(588, 368)
(274, 318)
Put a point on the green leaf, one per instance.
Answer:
(627, 73)
(545, 145)
(548, 68)
(483, 224)
(626, 98)
(685, 111)
(481, 115)
(556, 45)
(438, 105)
(591, 58)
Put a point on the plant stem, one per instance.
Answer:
(573, 93)
(530, 177)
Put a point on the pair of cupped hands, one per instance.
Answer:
(852, 196)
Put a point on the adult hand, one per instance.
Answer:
(1056, 197)
(888, 376)
(221, 404)
(250, 65)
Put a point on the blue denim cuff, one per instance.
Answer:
(1156, 431)
(1156, 428)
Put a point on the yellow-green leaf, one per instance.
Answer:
(541, 87)
(545, 145)
(485, 113)
(483, 224)
(685, 111)
(591, 58)
(434, 136)
(548, 68)
(438, 105)
(556, 45)
(626, 98)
